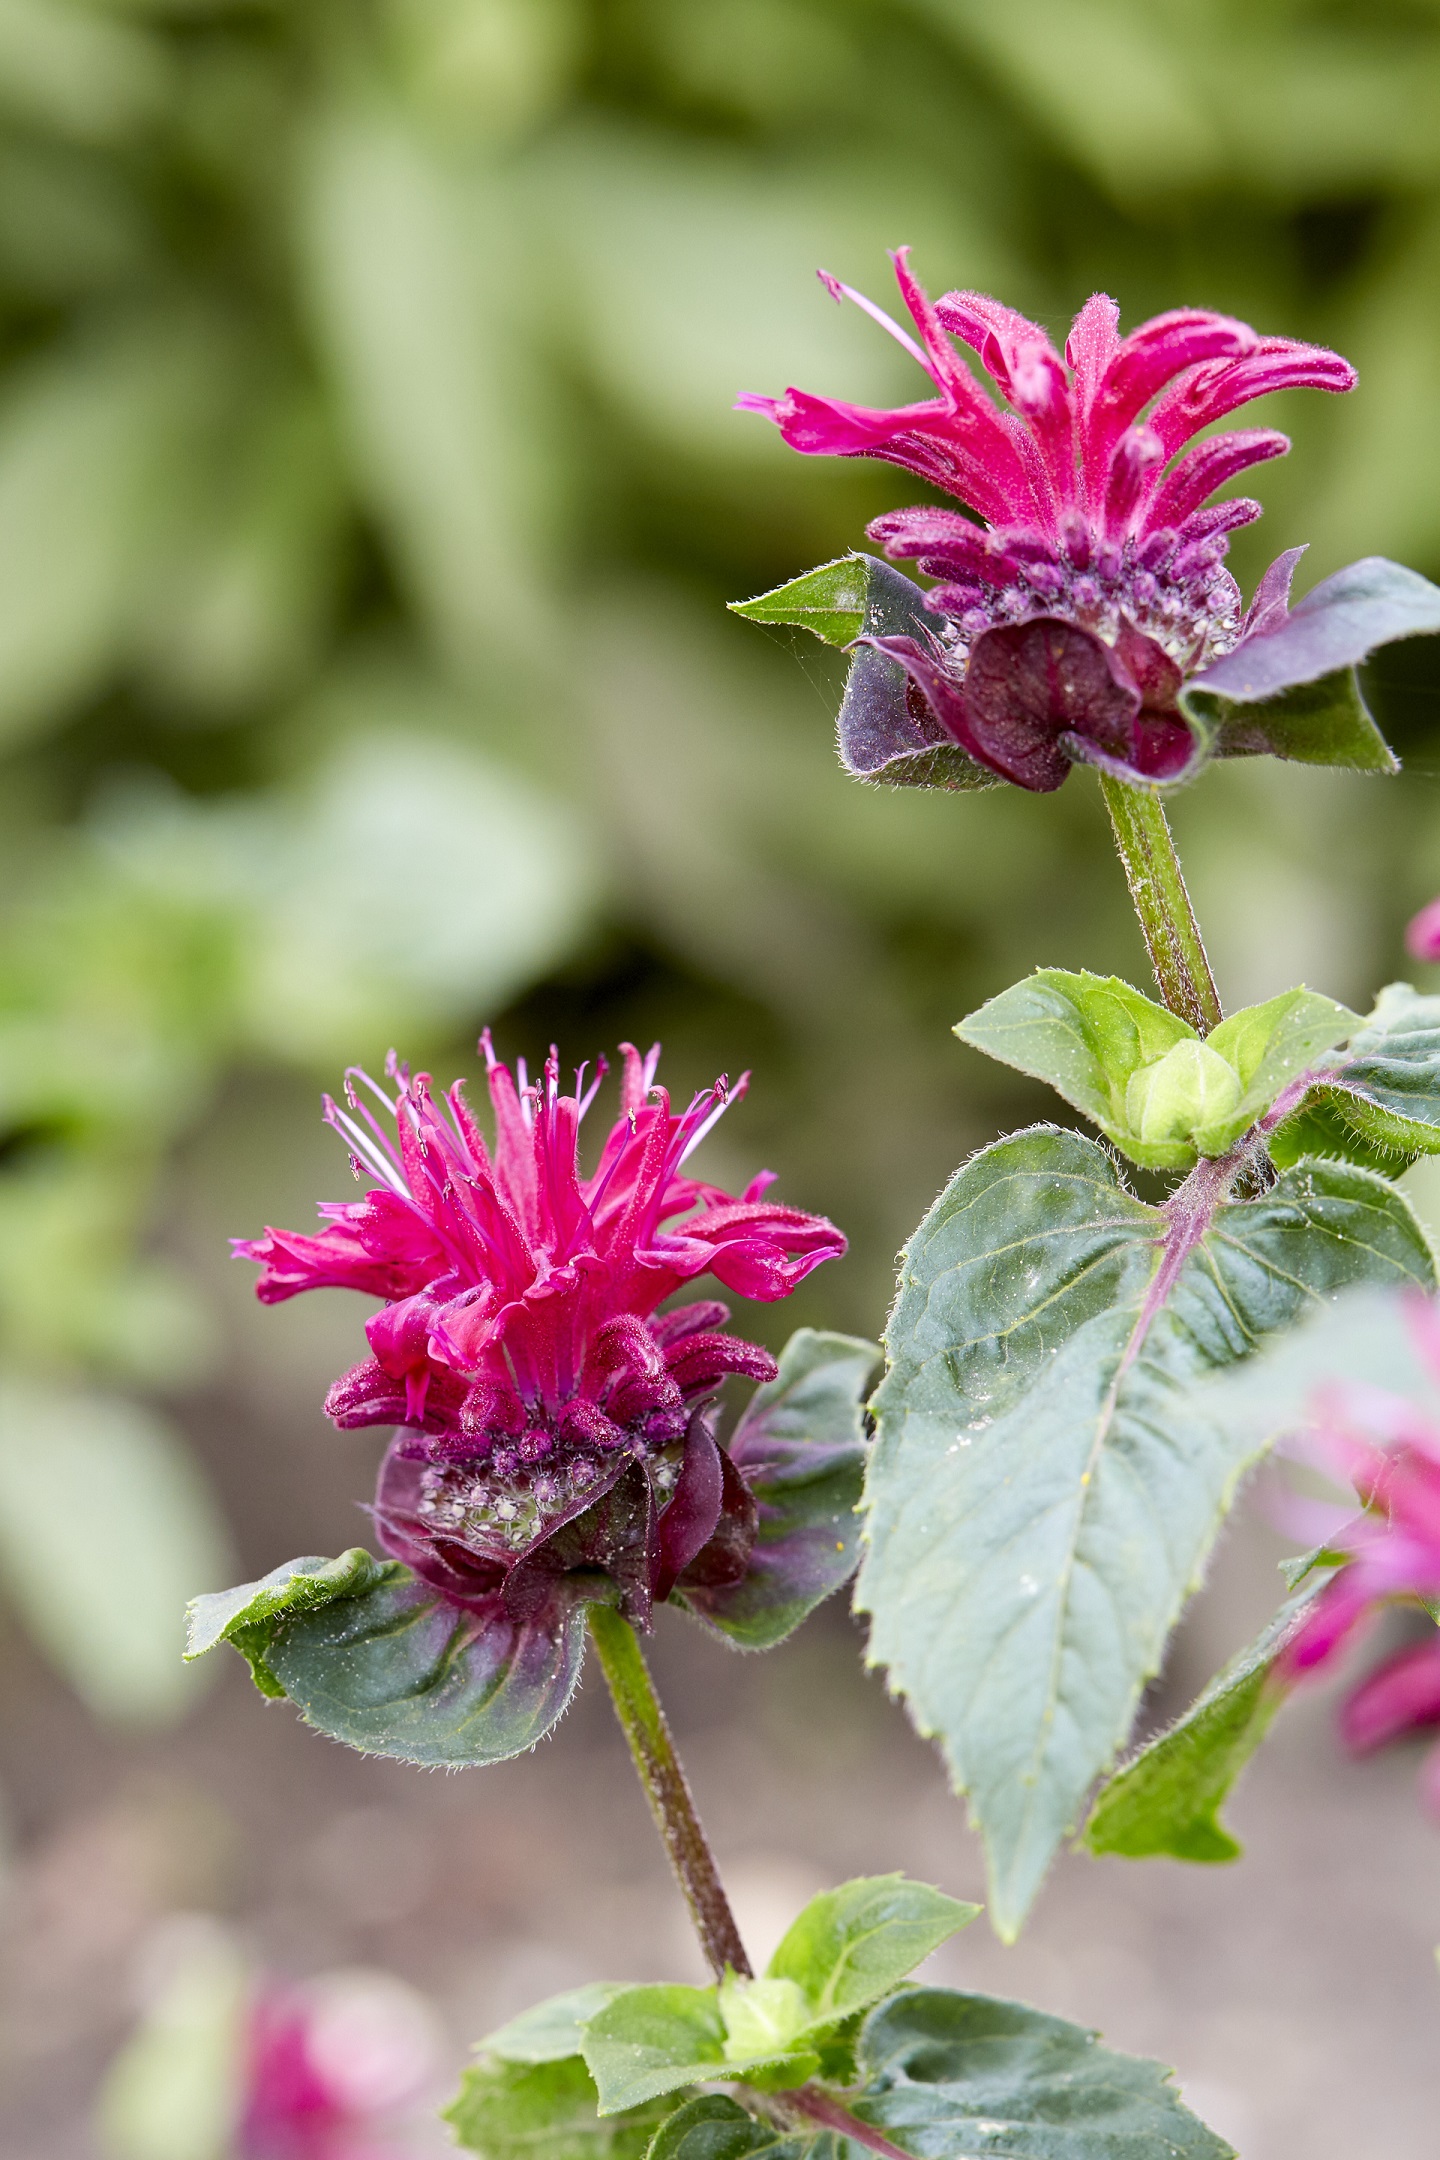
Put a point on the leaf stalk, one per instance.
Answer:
(1146, 847)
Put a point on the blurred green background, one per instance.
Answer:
(369, 496)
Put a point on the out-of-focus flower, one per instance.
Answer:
(1422, 934)
(550, 1418)
(228, 2064)
(1067, 622)
(1388, 1450)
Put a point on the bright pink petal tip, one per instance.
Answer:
(1422, 935)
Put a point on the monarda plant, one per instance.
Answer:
(1076, 1378)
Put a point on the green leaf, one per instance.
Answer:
(1086, 1034)
(509, 2110)
(1314, 723)
(249, 1615)
(1047, 1478)
(551, 2030)
(653, 2040)
(1168, 1799)
(852, 1945)
(1143, 1075)
(1384, 1102)
(712, 2127)
(399, 1670)
(105, 1522)
(829, 602)
(950, 2075)
(800, 1446)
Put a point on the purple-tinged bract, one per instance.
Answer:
(550, 1419)
(1067, 621)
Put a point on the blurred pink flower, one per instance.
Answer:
(519, 1349)
(1388, 1450)
(326, 2067)
(1422, 936)
(1068, 620)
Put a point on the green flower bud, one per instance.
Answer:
(1190, 1087)
(761, 2017)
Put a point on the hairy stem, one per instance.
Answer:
(1157, 887)
(658, 1768)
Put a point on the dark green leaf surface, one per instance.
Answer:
(1314, 723)
(401, 1671)
(249, 1615)
(800, 1446)
(1047, 1479)
(852, 1945)
(1386, 1103)
(509, 2110)
(1168, 1800)
(951, 2076)
(711, 2127)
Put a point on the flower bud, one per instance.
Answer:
(1191, 1086)
(762, 2017)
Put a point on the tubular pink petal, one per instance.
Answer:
(1210, 392)
(1201, 471)
(1401, 1696)
(1141, 366)
(1135, 458)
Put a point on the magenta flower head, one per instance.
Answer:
(1083, 586)
(550, 1419)
(1422, 934)
(324, 2069)
(1388, 1450)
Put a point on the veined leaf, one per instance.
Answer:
(830, 602)
(800, 1446)
(551, 2030)
(648, 2041)
(1047, 1478)
(854, 1944)
(509, 2110)
(1168, 1799)
(1384, 1105)
(249, 1615)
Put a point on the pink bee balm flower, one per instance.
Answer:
(520, 1350)
(1069, 618)
(1389, 1451)
(1422, 935)
(324, 2069)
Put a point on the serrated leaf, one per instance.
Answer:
(854, 1944)
(248, 1615)
(1047, 1479)
(509, 2110)
(830, 602)
(800, 1446)
(653, 2040)
(551, 2030)
(399, 1670)
(1384, 1105)
(1168, 1799)
(950, 2076)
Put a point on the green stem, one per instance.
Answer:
(658, 1768)
(1157, 887)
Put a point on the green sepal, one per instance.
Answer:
(511, 2110)
(830, 602)
(251, 1615)
(1104, 1046)
(1168, 1798)
(800, 1445)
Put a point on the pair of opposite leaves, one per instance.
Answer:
(1367, 1091)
